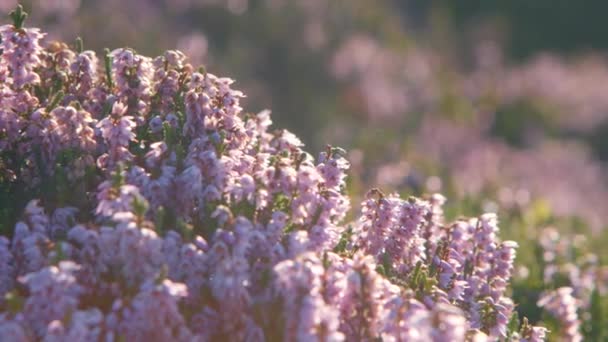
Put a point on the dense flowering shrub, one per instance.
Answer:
(149, 206)
(382, 75)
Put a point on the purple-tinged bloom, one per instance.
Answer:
(53, 295)
(563, 306)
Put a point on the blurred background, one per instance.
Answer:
(499, 105)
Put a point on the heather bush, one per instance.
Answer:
(140, 201)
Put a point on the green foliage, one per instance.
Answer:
(517, 123)
(595, 327)
(18, 15)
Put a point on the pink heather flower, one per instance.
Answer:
(55, 65)
(229, 282)
(449, 323)
(376, 222)
(86, 240)
(132, 251)
(448, 273)
(117, 131)
(192, 267)
(159, 189)
(484, 238)
(10, 126)
(407, 242)
(298, 243)
(483, 231)
(62, 220)
(287, 140)
(133, 75)
(502, 268)
(189, 187)
(172, 243)
(275, 225)
(29, 249)
(36, 218)
(112, 199)
(84, 70)
(42, 130)
(299, 283)
(156, 124)
(167, 77)
(563, 306)
(533, 334)
(363, 305)
(242, 189)
(83, 326)
(502, 311)
(75, 128)
(114, 129)
(12, 330)
(30, 242)
(433, 231)
(153, 314)
(53, 295)
(394, 230)
(21, 52)
(332, 169)
(406, 320)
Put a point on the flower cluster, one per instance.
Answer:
(466, 264)
(563, 306)
(155, 208)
